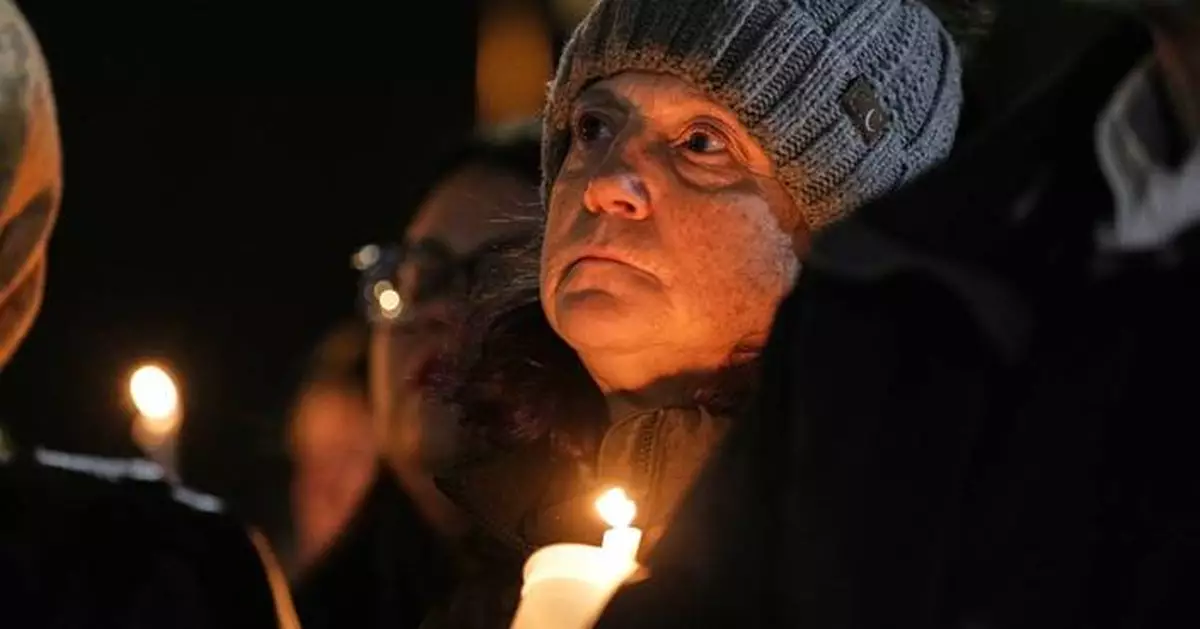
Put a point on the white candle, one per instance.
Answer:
(622, 539)
(567, 585)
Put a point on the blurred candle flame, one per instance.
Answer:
(616, 509)
(156, 397)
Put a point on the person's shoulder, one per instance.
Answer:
(90, 537)
(46, 483)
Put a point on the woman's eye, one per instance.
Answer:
(704, 143)
(589, 128)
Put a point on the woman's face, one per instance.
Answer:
(666, 230)
(470, 210)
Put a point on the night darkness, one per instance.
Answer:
(222, 163)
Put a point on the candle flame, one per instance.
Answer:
(154, 393)
(616, 509)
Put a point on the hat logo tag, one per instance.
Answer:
(866, 112)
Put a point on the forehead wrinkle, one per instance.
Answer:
(660, 96)
(475, 198)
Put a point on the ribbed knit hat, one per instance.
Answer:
(850, 98)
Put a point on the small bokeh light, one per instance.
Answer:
(366, 257)
(391, 304)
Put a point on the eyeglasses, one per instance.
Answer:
(393, 278)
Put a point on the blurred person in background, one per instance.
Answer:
(398, 557)
(974, 408)
(483, 208)
(89, 541)
(332, 445)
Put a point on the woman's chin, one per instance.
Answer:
(595, 319)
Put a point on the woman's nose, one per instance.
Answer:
(618, 191)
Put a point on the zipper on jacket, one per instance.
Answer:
(643, 460)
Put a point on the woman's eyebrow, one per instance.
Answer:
(601, 96)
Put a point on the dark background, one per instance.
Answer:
(222, 162)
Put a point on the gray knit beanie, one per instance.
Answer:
(850, 98)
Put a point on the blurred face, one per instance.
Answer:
(667, 233)
(334, 453)
(470, 210)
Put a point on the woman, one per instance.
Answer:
(484, 203)
(975, 463)
(387, 568)
(689, 155)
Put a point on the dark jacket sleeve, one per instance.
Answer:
(79, 551)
